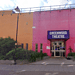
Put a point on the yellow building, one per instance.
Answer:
(8, 25)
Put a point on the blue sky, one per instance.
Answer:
(11, 4)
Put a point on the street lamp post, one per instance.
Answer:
(15, 55)
(18, 10)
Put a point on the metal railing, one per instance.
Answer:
(47, 8)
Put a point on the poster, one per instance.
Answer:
(47, 47)
(74, 45)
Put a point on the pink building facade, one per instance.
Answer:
(54, 21)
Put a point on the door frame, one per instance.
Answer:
(58, 51)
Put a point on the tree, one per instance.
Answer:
(6, 45)
(19, 53)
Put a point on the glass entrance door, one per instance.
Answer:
(58, 48)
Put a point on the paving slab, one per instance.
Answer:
(54, 61)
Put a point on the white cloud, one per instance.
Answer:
(5, 4)
(28, 3)
(70, 2)
(56, 2)
(11, 4)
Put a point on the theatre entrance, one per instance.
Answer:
(58, 48)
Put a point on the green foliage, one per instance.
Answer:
(22, 54)
(44, 54)
(41, 54)
(33, 57)
(74, 57)
(36, 51)
(37, 55)
(40, 51)
(2, 57)
(71, 54)
(6, 44)
(70, 49)
(8, 51)
(11, 58)
(18, 52)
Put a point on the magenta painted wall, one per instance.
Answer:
(56, 20)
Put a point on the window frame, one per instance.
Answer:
(36, 46)
(26, 46)
(41, 46)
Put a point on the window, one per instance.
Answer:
(55, 43)
(60, 43)
(26, 46)
(36, 47)
(52, 53)
(41, 46)
(22, 45)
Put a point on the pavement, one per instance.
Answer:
(20, 68)
(44, 73)
(50, 66)
(48, 61)
(54, 61)
(37, 69)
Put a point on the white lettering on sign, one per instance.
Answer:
(55, 33)
(58, 36)
(50, 33)
(59, 32)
